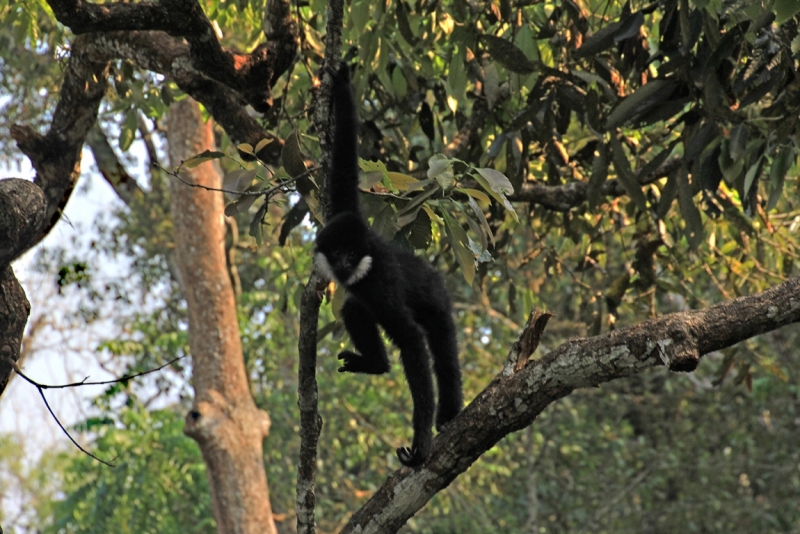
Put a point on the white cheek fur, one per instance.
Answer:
(361, 271)
(323, 266)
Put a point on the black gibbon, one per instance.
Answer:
(389, 286)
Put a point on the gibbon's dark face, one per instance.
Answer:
(342, 251)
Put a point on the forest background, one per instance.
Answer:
(610, 163)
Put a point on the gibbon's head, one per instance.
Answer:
(342, 249)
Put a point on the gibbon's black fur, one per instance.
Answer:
(389, 286)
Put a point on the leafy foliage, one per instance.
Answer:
(158, 485)
(679, 122)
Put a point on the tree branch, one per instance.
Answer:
(111, 167)
(162, 54)
(56, 155)
(571, 195)
(512, 402)
(251, 75)
(310, 420)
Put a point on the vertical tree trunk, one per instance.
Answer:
(224, 420)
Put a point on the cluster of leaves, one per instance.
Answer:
(158, 485)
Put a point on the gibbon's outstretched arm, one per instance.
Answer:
(387, 286)
(343, 181)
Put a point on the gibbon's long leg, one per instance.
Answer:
(409, 338)
(441, 334)
(363, 330)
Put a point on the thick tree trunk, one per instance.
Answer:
(224, 421)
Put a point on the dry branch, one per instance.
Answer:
(511, 403)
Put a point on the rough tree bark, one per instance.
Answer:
(224, 420)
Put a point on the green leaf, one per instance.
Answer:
(256, 229)
(491, 84)
(625, 174)
(474, 193)
(399, 83)
(629, 27)
(420, 234)
(400, 181)
(481, 218)
(360, 14)
(460, 243)
(668, 194)
(599, 175)
(785, 9)
(441, 169)
(292, 157)
(781, 164)
(243, 205)
(749, 179)
(476, 229)
(261, 144)
(403, 24)
(730, 168)
(408, 214)
(127, 133)
(384, 222)
(738, 141)
(239, 180)
(497, 180)
(206, 155)
(496, 184)
(599, 41)
(508, 54)
(691, 215)
(651, 94)
(457, 75)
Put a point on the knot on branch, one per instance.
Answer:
(527, 343)
(203, 421)
(677, 348)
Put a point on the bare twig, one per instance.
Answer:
(265, 192)
(41, 387)
(100, 383)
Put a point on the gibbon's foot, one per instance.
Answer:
(410, 457)
(416, 454)
(355, 363)
(444, 415)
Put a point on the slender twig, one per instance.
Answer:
(101, 383)
(66, 432)
(41, 387)
(266, 192)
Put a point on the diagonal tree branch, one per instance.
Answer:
(56, 155)
(251, 75)
(513, 400)
(162, 54)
